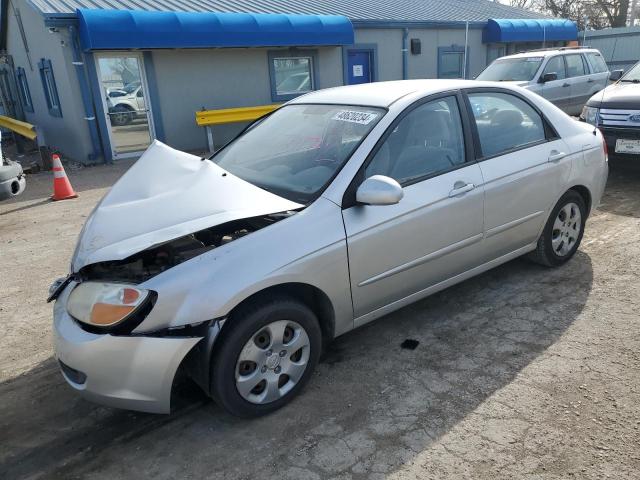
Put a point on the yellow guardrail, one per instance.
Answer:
(22, 128)
(206, 118)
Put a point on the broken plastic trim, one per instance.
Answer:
(197, 363)
(193, 330)
(152, 261)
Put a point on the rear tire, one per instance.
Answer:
(563, 231)
(265, 356)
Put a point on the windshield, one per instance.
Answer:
(511, 69)
(298, 149)
(632, 75)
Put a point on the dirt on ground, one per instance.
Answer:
(522, 372)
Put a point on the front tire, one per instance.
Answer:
(563, 231)
(265, 356)
(121, 116)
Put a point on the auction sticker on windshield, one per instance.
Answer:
(353, 116)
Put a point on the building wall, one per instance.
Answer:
(191, 80)
(389, 43)
(68, 133)
(619, 46)
(425, 64)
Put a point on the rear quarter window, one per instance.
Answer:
(596, 62)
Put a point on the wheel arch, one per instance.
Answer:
(310, 295)
(125, 105)
(197, 363)
(585, 193)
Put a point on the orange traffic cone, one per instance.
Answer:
(62, 188)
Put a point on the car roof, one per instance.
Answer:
(550, 52)
(383, 94)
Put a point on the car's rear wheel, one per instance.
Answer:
(121, 115)
(563, 231)
(265, 356)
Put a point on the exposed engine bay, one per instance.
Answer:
(154, 260)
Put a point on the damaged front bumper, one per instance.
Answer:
(133, 372)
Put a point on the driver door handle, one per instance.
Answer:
(565, 84)
(460, 188)
(590, 80)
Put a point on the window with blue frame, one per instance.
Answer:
(292, 74)
(25, 93)
(50, 89)
(451, 62)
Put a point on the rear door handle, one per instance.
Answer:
(460, 188)
(590, 80)
(565, 84)
(555, 155)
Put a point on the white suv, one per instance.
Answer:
(566, 76)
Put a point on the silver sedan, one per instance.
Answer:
(338, 208)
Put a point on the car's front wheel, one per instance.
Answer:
(563, 231)
(265, 356)
(121, 115)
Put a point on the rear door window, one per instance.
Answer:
(505, 122)
(575, 65)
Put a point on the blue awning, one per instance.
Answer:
(133, 29)
(529, 30)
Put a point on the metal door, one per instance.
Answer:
(577, 71)
(435, 231)
(430, 236)
(359, 67)
(126, 108)
(524, 172)
(557, 91)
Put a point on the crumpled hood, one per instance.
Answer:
(167, 194)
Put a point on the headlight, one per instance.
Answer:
(105, 304)
(589, 115)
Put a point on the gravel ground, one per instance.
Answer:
(522, 372)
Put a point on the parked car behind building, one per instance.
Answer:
(566, 76)
(616, 111)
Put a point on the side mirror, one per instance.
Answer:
(548, 77)
(379, 190)
(616, 75)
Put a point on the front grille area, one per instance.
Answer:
(610, 117)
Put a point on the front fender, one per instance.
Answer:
(309, 248)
